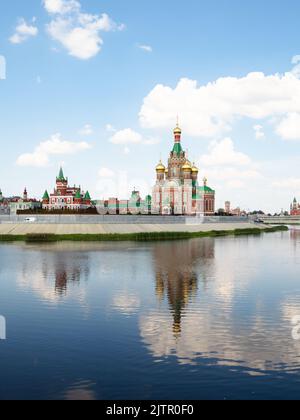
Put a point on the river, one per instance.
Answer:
(206, 318)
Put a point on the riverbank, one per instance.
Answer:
(53, 233)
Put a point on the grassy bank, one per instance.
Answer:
(139, 237)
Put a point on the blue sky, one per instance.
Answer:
(78, 74)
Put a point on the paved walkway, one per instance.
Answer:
(60, 229)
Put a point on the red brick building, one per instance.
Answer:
(65, 197)
(295, 208)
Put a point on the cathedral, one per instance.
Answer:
(177, 190)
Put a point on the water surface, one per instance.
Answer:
(195, 319)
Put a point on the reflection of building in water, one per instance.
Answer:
(295, 236)
(176, 276)
(65, 275)
(227, 325)
(51, 273)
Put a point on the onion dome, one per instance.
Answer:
(160, 167)
(177, 130)
(187, 167)
(195, 169)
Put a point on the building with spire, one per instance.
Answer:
(177, 190)
(24, 203)
(65, 197)
(295, 208)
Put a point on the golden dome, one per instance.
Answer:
(160, 167)
(187, 166)
(177, 130)
(195, 169)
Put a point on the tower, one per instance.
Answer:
(208, 196)
(78, 197)
(25, 195)
(295, 204)
(87, 198)
(61, 183)
(227, 207)
(177, 156)
(177, 137)
(46, 198)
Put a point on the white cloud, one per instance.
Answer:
(54, 146)
(23, 32)
(296, 63)
(226, 165)
(146, 48)
(223, 153)
(296, 59)
(259, 132)
(231, 175)
(78, 32)
(106, 173)
(289, 127)
(210, 110)
(126, 136)
(87, 130)
(61, 6)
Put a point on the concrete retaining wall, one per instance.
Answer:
(120, 220)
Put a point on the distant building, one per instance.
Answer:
(295, 208)
(234, 212)
(238, 212)
(177, 191)
(123, 207)
(4, 204)
(113, 206)
(227, 207)
(65, 197)
(134, 206)
(24, 203)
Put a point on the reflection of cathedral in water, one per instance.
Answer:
(176, 274)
